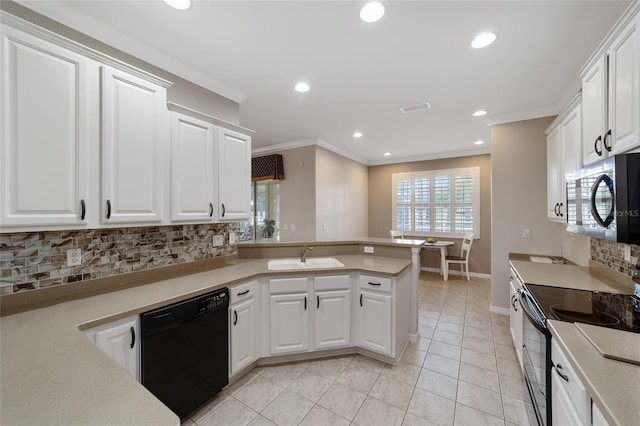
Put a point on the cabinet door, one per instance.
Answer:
(562, 410)
(49, 121)
(571, 142)
(594, 113)
(333, 319)
(242, 336)
(132, 143)
(376, 322)
(121, 344)
(624, 90)
(554, 171)
(234, 176)
(192, 164)
(515, 317)
(289, 323)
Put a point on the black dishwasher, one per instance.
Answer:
(185, 357)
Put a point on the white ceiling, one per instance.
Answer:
(360, 74)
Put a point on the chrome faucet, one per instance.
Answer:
(303, 254)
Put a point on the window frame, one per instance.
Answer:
(431, 175)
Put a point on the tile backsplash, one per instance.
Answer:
(32, 260)
(611, 255)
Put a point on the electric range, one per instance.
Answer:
(620, 311)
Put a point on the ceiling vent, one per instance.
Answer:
(415, 107)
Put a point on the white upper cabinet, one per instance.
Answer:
(133, 141)
(234, 176)
(624, 90)
(193, 181)
(594, 85)
(563, 156)
(49, 122)
(611, 93)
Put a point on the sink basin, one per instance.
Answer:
(311, 263)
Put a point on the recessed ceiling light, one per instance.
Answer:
(386, 154)
(479, 113)
(357, 135)
(478, 142)
(372, 12)
(179, 4)
(302, 87)
(483, 40)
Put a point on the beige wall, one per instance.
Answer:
(182, 92)
(380, 206)
(298, 194)
(341, 196)
(519, 199)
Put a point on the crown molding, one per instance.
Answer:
(521, 116)
(172, 106)
(436, 156)
(98, 30)
(273, 149)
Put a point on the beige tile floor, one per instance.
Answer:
(463, 371)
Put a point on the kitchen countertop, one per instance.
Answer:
(53, 374)
(613, 385)
(407, 242)
(567, 276)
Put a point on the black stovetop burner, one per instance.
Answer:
(620, 311)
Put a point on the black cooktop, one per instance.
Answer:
(621, 311)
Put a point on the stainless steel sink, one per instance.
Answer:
(311, 263)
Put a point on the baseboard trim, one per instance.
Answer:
(454, 272)
(498, 310)
(414, 338)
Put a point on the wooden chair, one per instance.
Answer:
(396, 234)
(463, 259)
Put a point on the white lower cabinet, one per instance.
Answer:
(376, 322)
(332, 318)
(597, 418)
(376, 319)
(120, 341)
(242, 325)
(570, 403)
(288, 315)
(516, 315)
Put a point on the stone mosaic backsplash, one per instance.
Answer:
(611, 254)
(32, 260)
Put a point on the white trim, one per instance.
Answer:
(623, 21)
(498, 310)
(522, 116)
(273, 149)
(436, 156)
(574, 102)
(172, 106)
(57, 39)
(455, 272)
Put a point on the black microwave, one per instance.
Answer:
(603, 199)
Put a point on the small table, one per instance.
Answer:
(442, 245)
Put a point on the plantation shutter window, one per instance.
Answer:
(437, 203)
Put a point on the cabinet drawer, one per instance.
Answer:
(288, 285)
(371, 282)
(241, 292)
(571, 384)
(334, 282)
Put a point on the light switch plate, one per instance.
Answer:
(74, 257)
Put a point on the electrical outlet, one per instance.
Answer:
(324, 226)
(218, 240)
(526, 233)
(368, 249)
(232, 238)
(627, 253)
(292, 226)
(74, 257)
